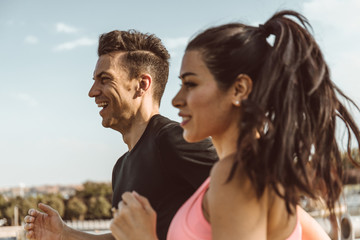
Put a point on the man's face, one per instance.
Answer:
(113, 91)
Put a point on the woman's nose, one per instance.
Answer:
(178, 100)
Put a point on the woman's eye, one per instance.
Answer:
(189, 84)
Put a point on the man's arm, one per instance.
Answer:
(49, 225)
(72, 234)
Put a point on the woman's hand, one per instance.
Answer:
(135, 219)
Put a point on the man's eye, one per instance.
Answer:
(105, 79)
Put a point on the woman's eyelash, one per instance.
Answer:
(188, 84)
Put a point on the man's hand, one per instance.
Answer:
(135, 219)
(44, 225)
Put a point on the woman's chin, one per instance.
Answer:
(191, 138)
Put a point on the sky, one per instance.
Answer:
(50, 130)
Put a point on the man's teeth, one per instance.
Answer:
(186, 118)
(103, 104)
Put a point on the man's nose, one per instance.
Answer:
(94, 91)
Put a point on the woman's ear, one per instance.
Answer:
(242, 88)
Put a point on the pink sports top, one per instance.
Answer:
(189, 222)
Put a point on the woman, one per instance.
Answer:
(271, 111)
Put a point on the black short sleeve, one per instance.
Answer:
(164, 168)
(189, 161)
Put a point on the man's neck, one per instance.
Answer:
(137, 128)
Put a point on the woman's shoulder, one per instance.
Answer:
(222, 166)
(233, 205)
(229, 179)
(227, 167)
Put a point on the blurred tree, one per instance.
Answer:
(351, 173)
(346, 160)
(55, 201)
(93, 202)
(3, 201)
(9, 214)
(23, 204)
(4, 204)
(99, 208)
(95, 189)
(75, 209)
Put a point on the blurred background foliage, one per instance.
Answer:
(92, 202)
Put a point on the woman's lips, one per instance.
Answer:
(185, 120)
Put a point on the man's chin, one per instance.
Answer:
(105, 124)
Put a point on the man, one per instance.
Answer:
(129, 81)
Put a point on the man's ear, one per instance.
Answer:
(145, 82)
(242, 88)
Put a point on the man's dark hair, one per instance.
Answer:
(144, 52)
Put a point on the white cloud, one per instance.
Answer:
(336, 25)
(345, 73)
(31, 39)
(76, 43)
(173, 43)
(340, 14)
(26, 98)
(9, 22)
(63, 28)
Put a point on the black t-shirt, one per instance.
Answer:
(164, 168)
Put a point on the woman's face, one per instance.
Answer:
(205, 109)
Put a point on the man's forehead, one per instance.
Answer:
(108, 62)
(111, 58)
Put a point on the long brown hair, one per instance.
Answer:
(294, 106)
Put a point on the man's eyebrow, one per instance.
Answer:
(184, 75)
(102, 73)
